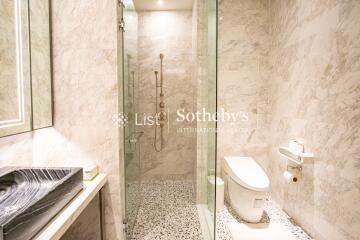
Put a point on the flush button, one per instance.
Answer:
(259, 202)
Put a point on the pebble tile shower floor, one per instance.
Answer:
(168, 212)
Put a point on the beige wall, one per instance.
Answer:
(86, 95)
(167, 32)
(315, 92)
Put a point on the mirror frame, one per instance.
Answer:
(20, 72)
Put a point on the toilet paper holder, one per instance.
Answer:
(289, 167)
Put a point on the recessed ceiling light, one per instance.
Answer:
(160, 2)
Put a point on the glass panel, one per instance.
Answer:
(132, 133)
(211, 106)
(207, 99)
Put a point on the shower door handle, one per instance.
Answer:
(121, 3)
(122, 25)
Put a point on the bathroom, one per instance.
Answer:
(169, 119)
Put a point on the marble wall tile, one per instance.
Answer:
(86, 95)
(169, 33)
(243, 78)
(314, 97)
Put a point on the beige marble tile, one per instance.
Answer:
(314, 97)
(171, 37)
(242, 77)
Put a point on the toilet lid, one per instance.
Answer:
(246, 172)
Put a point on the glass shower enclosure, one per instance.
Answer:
(204, 75)
(207, 99)
(132, 135)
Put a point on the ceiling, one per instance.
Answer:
(151, 5)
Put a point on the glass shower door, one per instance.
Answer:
(205, 30)
(132, 135)
(211, 65)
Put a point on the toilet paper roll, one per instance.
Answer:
(289, 177)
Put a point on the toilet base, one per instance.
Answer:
(248, 204)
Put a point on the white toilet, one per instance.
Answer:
(246, 186)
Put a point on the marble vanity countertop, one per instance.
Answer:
(67, 216)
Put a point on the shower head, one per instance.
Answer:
(161, 56)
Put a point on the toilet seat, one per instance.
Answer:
(246, 172)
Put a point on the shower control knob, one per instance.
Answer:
(162, 105)
(162, 116)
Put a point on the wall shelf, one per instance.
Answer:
(296, 158)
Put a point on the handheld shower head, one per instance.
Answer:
(161, 56)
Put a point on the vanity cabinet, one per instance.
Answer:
(88, 225)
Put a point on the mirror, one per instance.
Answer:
(25, 66)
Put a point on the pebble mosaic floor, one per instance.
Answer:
(273, 213)
(168, 212)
